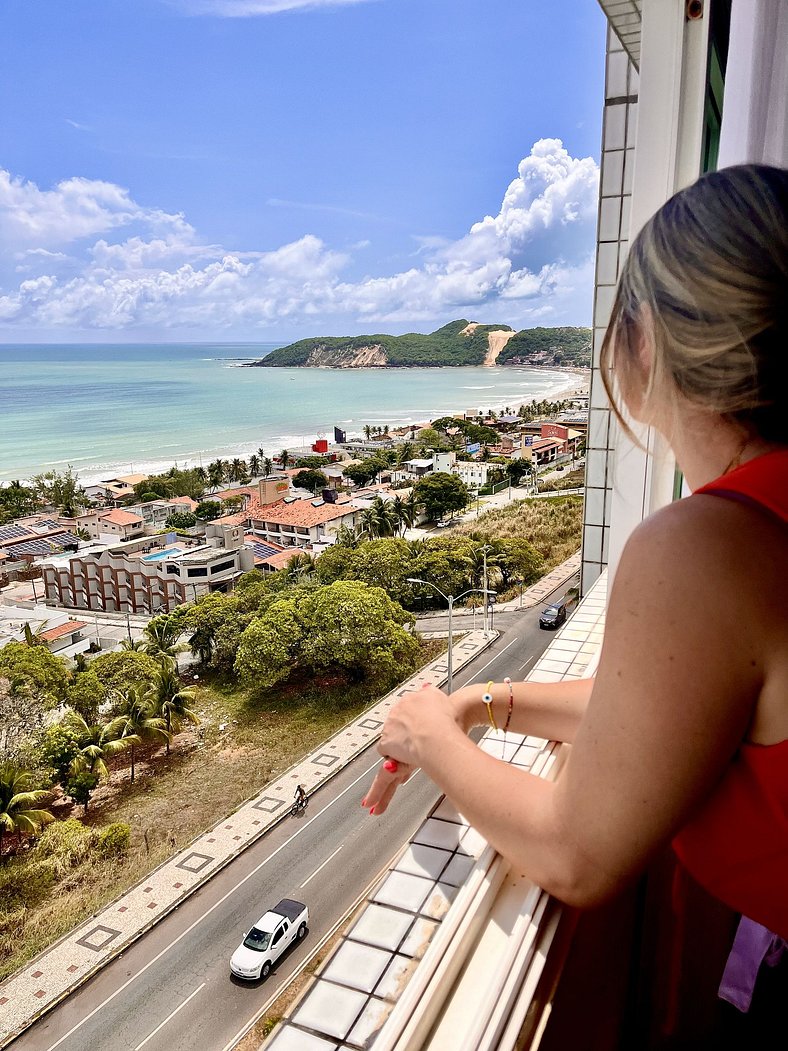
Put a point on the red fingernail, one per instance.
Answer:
(372, 811)
(391, 765)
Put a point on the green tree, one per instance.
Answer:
(146, 496)
(97, 743)
(19, 812)
(61, 490)
(203, 620)
(365, 472)
(59, 748)
(267, 466)
(161, 638)
(172, 702)
(34, 669)
(310, 480)
(357, 629)
(441, 494)
(312, 462)
(85, 695)
(181, 520)
(117, 671)
(208, 510)
(16, 500)
(232, 504)
(254, 465)
(271, 645)
(519, 561)
(518, 469)
(284, 459)
(137, 721)
(379, 519)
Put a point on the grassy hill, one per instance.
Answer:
(450, 345)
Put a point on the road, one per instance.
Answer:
(172, 990)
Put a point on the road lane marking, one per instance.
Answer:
(169, 1017)
(206, 914)
(523, 666)
(320, 867)
(495, 658)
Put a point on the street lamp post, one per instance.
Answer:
(450, 600)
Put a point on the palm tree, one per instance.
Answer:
(367, 431)
(160, 639)
(97, 743)
(133, 645)
(138, 721)
(379, 519)
(267, 465)
(298, 567)
(33, 638)
(215, 474)
(237, 470)
(172, 702)
(254, 465)
(18, 799)
(284, 459)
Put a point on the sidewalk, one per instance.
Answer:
(75, 957)
(535, 595)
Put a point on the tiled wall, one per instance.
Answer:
(618, 153)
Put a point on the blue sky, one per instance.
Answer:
(269, 169)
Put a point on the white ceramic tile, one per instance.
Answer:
(438, 901)
(543, 676)
(330, 1009)
(419, 937)
(289, 1039)
(609, 219)
(616, 81)
(626, 211)
(598, 424)
(613, 134)
(594, 509)
(458, 870)
(554, 665)
(403, 891)
(604, 298)
(607, 263)
(612, 172)
(356, 965)
(473, 843)
(448, 812)
(369, 1024)
(381, 926)
(632, 125)
(396, 977)
(592, 542)
(439, 834)
(421, 860)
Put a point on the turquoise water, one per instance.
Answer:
(113, 408)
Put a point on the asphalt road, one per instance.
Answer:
(172, 990)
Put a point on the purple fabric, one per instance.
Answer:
(752, 946)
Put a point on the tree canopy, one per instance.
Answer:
(441, 494)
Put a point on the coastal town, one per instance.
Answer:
(127, 551)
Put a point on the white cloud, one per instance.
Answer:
(251, 8)
(530, 260)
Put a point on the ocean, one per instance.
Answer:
(109, 409)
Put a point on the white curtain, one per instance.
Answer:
(755, 107)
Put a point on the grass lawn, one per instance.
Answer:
(246, 740)
(553, 527)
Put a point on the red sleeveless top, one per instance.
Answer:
(736, 844)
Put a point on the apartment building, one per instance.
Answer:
(296, 523)
(139, 577)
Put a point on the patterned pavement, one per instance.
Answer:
(74, 958)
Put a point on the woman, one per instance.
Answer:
(683, 734)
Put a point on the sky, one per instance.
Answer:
(267, 170)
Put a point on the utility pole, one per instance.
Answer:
(484, 586)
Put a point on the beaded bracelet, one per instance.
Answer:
(508, 682)
(487, 700)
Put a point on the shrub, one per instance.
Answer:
(65, 843)
(25, 882)
(114, 839)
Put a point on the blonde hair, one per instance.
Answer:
(706, 285)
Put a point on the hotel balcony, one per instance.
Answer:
(454, 948)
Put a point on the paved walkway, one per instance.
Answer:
(535, 595)
(82, 952)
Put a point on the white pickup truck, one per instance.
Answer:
(262, 946)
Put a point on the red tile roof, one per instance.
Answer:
(68, 628)
(301, 513)
(119, 517)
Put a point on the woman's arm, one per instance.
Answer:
(681, 669)
(552, 710)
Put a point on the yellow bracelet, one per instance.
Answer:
(487, 701)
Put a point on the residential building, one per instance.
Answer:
(60, 633)
(114, 489)
(141, 577)
(111, 526)
(297, 523)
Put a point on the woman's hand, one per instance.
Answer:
(420, 721)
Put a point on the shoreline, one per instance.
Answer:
(577, 383)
